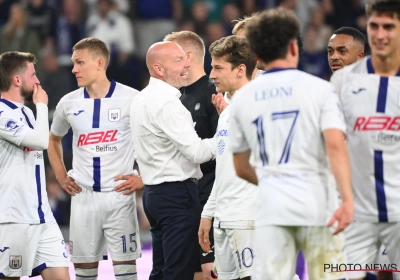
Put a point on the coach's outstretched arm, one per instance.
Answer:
(336, 150)
(56, 160)
(38, 138)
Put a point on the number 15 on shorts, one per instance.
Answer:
(132, 243)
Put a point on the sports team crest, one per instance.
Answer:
(15, 262)
(114, 115)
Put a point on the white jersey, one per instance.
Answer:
(371, 106)
(280, 116)
(233, 201)
(102, 137)
(23, 196)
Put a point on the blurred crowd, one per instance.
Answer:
(49, 29)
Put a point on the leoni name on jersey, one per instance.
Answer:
(377, 123)
(273, 93)
(97, 137)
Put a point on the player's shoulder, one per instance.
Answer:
(125, 91)
(359, 67)
(8, 109)
(76, 94)
(311, 81)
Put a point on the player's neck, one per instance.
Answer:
(280, 63)
(240, 84)
(13, 95)
(388, 66)
(195, 73)
(99, 88)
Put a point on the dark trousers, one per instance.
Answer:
(173, 210)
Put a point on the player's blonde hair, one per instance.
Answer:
(188, 39)
(240, 24)
(94, 46)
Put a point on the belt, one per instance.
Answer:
(194, 180)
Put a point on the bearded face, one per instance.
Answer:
(26, 92)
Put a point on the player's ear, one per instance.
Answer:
(360, 54)
(241, 70)
(17, 80)
(293, 48)
(100, 64)
(189, 55)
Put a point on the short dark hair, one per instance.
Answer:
(270, 32)
(235, 50)
(389, 7)
(95, 46)
(350, 31)
(12, 63)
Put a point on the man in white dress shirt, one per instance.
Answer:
(169, 152)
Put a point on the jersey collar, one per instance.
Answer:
(371, 70)
(110, 91)
(272, 70)
(9, 103)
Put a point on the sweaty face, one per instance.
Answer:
(29, 79)
(86, 68)
(224, 77)
(176, 67)
(342, 51)
(383, 35)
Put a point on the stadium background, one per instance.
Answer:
(49, 29)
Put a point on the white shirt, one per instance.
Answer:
(233, 201)
(371, 106)
(102, 138)
(280, 116)
(23, 196)
(115, 30)
(166, 144)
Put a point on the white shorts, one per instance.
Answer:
(27, 249)
(276, 249)
(101, 220)
(233, 252)
(364, 242)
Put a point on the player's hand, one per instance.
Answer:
(39, 95)
(344, 216)
(131, 184)
(68, 184)
(219, 102)
(204, 230)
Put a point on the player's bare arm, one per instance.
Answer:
(204, 230)
(243, 167)
(339, 162)
(55, 157)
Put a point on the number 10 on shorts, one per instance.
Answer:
(132, 243)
